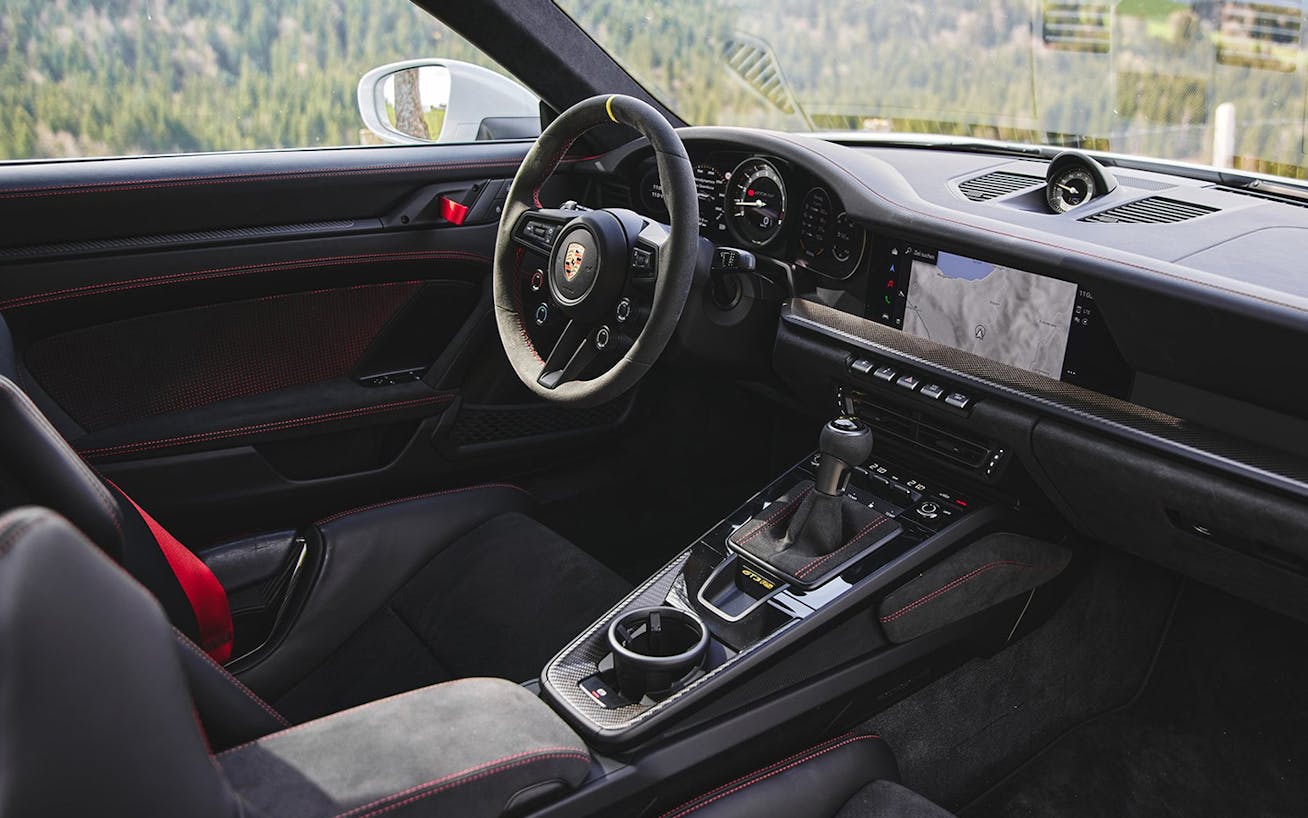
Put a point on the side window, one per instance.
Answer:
(141, 77)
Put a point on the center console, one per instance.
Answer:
(832, 532)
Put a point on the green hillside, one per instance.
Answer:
(113, 77)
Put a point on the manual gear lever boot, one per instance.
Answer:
(815, 530)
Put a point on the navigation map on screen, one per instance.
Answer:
(1003, 314)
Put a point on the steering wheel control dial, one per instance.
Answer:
(756, 202)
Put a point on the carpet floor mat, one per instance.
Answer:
(1220, 728)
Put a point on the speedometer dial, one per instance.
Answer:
(756, 202)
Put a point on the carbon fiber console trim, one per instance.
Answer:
(1124, 420)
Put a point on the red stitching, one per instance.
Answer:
(250, 694)
(187, 181)
(785, 511)
(763, 774)
(517, 305)
(554, 163)
(227, 272)
(951, 586)
(486, 770)
(270, 426)
(343, 713)
(333, 518)
(867, 529)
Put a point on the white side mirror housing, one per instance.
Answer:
(417, 102)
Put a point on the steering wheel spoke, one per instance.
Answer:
(644, 262)
(538, 229)
(572, 353)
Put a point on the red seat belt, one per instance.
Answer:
(208, 599)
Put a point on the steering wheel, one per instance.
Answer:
(613, 280)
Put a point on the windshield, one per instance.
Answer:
(1211, 82)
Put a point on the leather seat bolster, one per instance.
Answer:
(815, 783)
(230, 712)
(473, 748)
(53, 475)
(92, 699)
(365, 555)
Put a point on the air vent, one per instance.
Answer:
(1154, 210)
(1073, 25)
(995, 184)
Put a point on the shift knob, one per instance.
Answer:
(845, 442)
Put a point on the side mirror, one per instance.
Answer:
(417, 102)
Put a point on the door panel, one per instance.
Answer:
(108, 375)
(249, 341)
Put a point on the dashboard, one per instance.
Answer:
(1130, 339)
(1132, 342)
(1157, 308)
(767, 205)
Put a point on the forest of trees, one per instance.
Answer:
(115, 77)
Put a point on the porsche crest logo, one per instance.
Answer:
(572, 260)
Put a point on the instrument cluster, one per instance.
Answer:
(749, 201)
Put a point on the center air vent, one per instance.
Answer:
(1153, 210)
(997, 183)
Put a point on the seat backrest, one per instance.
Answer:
(39, 467)
(96, 715)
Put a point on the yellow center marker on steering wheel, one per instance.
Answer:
(608, 106)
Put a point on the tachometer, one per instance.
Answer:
(756, 202)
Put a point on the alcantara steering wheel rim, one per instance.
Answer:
(620, 280)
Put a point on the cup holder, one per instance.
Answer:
(656, 651)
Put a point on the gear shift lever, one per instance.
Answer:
(845, 442)
(815, 529)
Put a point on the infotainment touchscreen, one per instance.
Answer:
(1034, 322)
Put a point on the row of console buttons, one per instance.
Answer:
(905, 380)
(928, 505)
